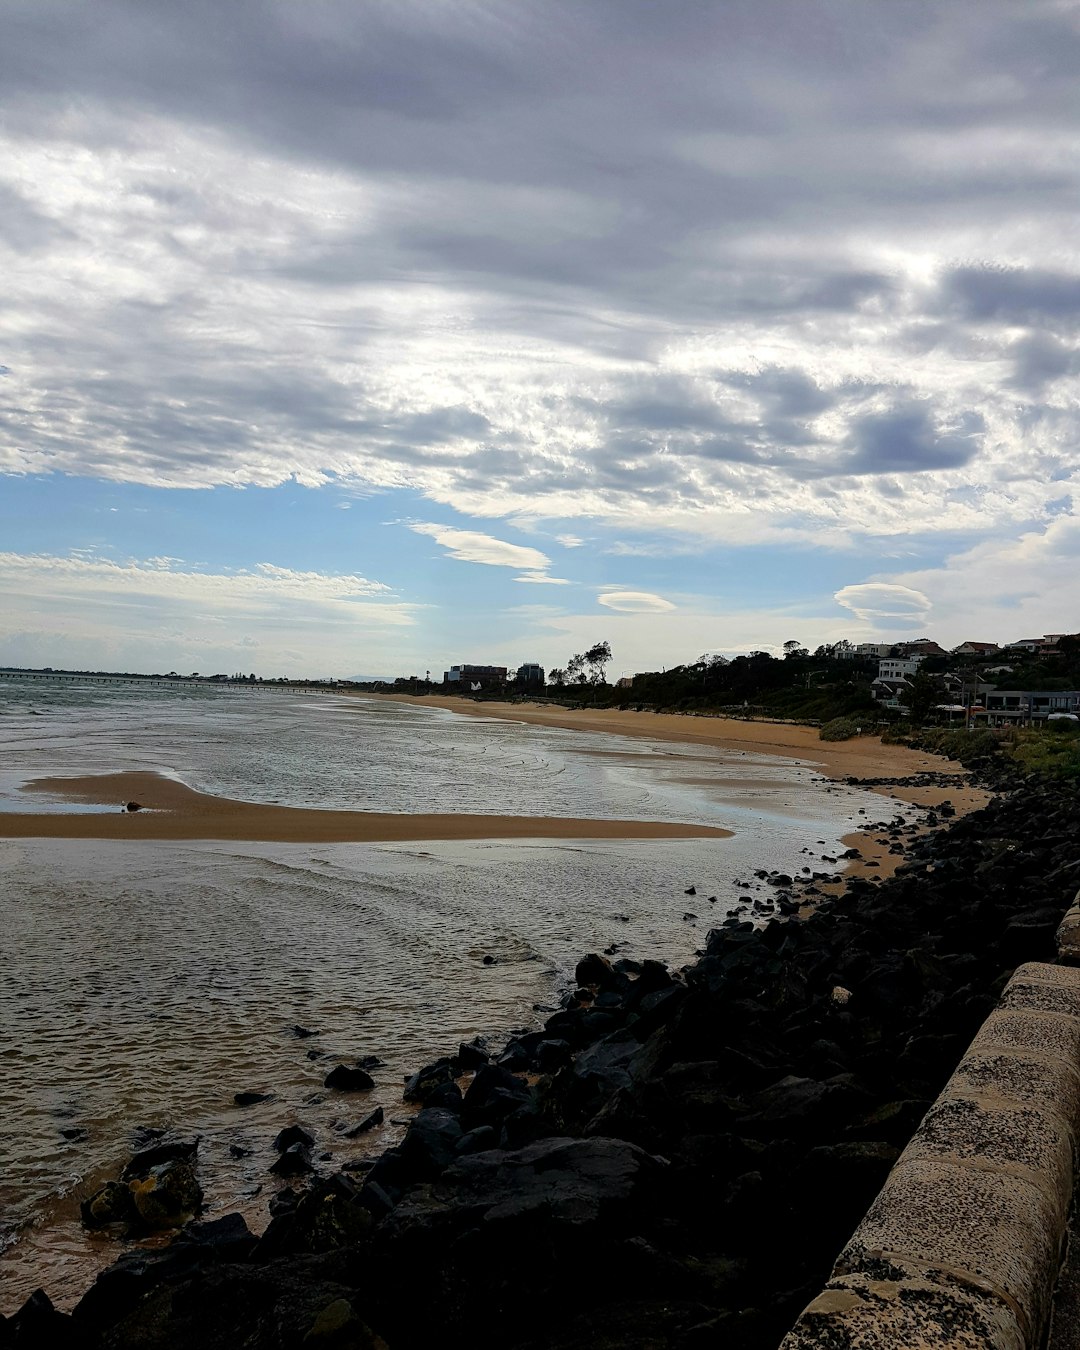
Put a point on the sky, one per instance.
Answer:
(374, 336)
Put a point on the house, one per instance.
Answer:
(1005, 707)
(624, 682)
(898, 667)
(878, 649)
(976, 649)
(920, 647)
(889, 693)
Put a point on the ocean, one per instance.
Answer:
(145, 983)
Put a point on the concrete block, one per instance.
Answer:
(1032, 1142)
(962, 1247)
(1051, 1036)
(863, 1313)
(1038, 987)
(1018, 1075)
(969, 1226)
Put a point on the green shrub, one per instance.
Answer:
(841, 729)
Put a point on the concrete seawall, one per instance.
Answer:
(963, 1245)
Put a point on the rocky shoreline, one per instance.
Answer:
(674, 1159)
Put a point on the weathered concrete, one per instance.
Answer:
(1068, 935)
(962, 1247)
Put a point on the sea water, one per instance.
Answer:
(143, 984)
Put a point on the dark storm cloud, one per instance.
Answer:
(1040, 358)
(1012, 295)
(593, 192)
(906, 439)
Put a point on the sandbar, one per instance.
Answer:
(170, 810)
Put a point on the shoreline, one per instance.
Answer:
(862, 757)
(614, 1179)
(170, 810)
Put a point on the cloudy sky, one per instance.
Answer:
(367, 336)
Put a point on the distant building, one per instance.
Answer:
(477, 677)
(920, 647)
(898, 667)
(976, 649)
(624, 682)
(530, 673)
(877, 649)
(889, 693)
(1004, 706)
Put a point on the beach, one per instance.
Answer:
(862, 757)
(351, 866)
(169, 810)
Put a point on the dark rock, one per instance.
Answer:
(252, 1098)
(293, 1134)
(294, 1161)
(371, 1062)
(447, 1096)
(112, 1203)
(146, 1159)
(284, 1202)
(344, 1078)
(302, 1033)
(168, 1195)
(471, 1054)
(431, 1142)
(476, 1141)
(597, 970)
(420, 1086)
(368, 1123)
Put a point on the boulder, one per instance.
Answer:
(423, 1083)
(347, 1079)
(170, 1194)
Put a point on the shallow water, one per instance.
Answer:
(145, 983)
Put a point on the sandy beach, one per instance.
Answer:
(861, 757)
(170, 810)
(173, 811)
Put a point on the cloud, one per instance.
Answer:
(635, 602)
(542, 579)
(481, 254)
(138, 614)
(876, 601)
(569, 540)
(1012, 295)
(907, 439)
(471, 546)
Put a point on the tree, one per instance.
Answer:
(556, 675)
(596, 658)
(921, 697)
(793, 648)
(575, 669)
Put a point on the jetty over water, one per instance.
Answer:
(230, 684)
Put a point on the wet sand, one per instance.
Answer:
(173, 811)
(861, 757)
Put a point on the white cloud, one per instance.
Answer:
(635, 602)
(542, 579)
(885, 605)
(569, 540)
(145, 614)
(471, 546)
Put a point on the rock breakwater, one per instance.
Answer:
(674, 1159)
